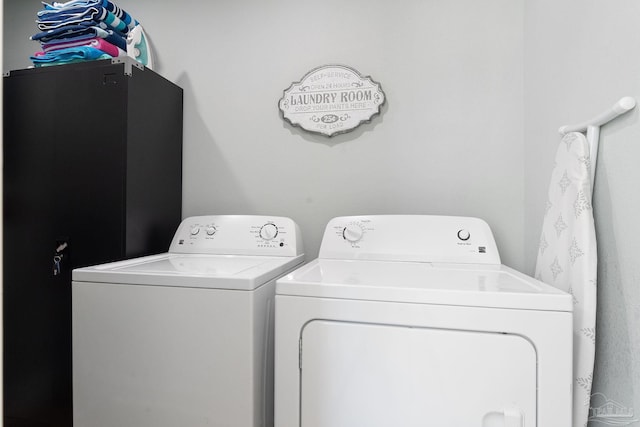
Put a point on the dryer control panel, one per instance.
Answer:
(238, 235)
(421, 238)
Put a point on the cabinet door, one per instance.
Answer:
(33, 303)
(365, 375)
(63, 183)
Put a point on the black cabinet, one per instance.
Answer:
(92, 173)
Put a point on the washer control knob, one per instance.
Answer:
(352, 233)
(464, 234)
(211, 230)
(195, 230)
(269, 231)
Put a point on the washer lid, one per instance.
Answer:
(191, 270)
(426, 283)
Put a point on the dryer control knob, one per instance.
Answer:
(352, 233)
(464, 234)
(269, 231)
(195, 230)
(211, 230)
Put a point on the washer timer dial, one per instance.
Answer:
(269, 231)
(352, 233)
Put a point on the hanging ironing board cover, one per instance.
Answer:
(567, 258)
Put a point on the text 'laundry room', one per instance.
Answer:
(336, 214)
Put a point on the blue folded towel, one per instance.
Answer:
(69, 31)
(53, 20)
(66, 55)
(74, 3)
(111, 11)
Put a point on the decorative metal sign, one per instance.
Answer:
(330, 100)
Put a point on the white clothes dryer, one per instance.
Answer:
(183, 338)
(412, 321)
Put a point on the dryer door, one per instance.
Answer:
(368, 375)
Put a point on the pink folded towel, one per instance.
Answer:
(97, 43)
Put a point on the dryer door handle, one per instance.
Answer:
(513, 418)
(508, 417)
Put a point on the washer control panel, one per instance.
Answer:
(238, 235)
(422, 238)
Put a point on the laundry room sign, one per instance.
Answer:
(331, 100)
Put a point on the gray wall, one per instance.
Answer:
(449, 140)
(581, 56)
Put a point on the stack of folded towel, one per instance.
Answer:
(85, 30)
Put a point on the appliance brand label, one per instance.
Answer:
(331, 99)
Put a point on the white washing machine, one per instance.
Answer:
(183, 338)
(413, 321)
